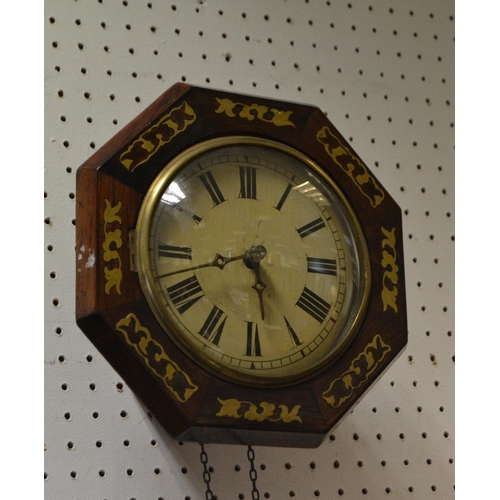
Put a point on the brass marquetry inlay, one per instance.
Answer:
(342, 388)
(159, 134)
(112, 242)
(273, 115)
(265, 411)
(351, 165)
(139, 337)
(390, 278)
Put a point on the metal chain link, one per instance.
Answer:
(209, 495)
(253, 473)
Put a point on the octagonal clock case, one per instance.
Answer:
(240, 267)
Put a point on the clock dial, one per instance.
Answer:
(252, 260)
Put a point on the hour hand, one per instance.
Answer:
(252, 259)
(259, 287)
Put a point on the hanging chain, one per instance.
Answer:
(206, 474)
(209, 495)
(253, 473)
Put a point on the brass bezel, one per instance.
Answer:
(143, 268)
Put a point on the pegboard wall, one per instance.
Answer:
(383, 72)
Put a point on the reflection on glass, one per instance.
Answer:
(308, 189)
(173, 194)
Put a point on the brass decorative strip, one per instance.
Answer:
(351, 165)
(139, 337)
(112, 242)
(275, 116)
(360, 369)
(268, 411)
(159, 134)
(390, 278)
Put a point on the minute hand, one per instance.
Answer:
(218, 261)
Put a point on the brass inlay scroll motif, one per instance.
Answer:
(390, 278)
(112, 242)
(359, 372)
(231, 408)
(139, 337)
(273, 115)
(161, 133)
(351, 165)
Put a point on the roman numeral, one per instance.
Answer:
(213, 326)
(322, 266)
(185, 294)
(248, 182)
(313, 305)
(310, 228)
(212, 188)
(174, 252)
(293, 336)
(253, 341)
(279, 206)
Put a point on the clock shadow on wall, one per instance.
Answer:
(240, 267)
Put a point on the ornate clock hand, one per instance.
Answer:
(259, 287)
(218, 261)
(252, 260)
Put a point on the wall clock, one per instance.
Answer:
(240, 267)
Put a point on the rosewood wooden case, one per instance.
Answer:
(191, 403)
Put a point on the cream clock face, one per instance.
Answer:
(251, 260)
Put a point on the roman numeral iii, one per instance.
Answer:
(322, 266)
